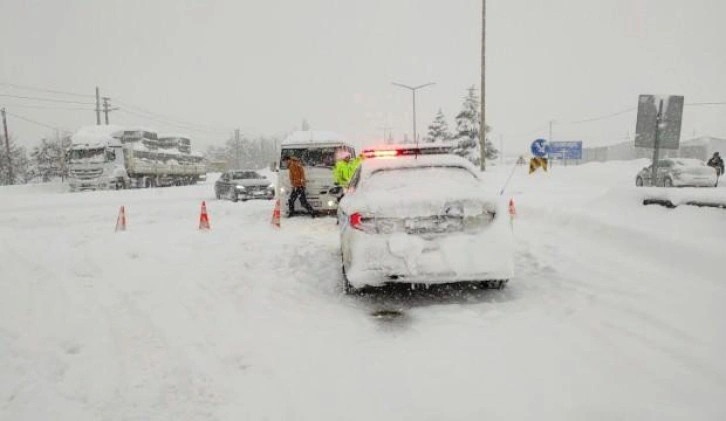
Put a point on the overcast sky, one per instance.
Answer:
(264, 66)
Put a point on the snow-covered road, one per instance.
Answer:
(616, 312)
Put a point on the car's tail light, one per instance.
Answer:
(362, 223)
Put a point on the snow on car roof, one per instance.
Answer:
(372, 165)
(442, 178)
(312, 136)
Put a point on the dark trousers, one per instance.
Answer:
(299, 192)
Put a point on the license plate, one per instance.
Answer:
(316, 203)
(420, 224)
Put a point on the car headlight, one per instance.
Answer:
(240, 187)
(282, 190)
(271, 187)
(335, 190)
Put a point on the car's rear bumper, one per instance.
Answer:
(687, 180)
(266, 196)
(374, 260)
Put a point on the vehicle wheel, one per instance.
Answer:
(216, 193)
(494, 284)
(668, 182)
(639, 181)
(147, 182)
(347, 287)
(233, 196)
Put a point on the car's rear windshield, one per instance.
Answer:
(244, 175)
(405, 178)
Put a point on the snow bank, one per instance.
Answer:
(616, 312)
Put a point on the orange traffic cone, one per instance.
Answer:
(121, 220)
(276, 215)
(512, 209)
(204, 218)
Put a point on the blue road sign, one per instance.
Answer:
(566, 150)
(539, 148)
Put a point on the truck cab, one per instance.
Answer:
(96, 160)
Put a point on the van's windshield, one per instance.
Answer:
(311, 157)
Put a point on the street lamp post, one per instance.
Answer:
(413, 90)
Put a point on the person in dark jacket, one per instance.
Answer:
(298, 182)
(716, 162)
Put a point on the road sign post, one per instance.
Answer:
(656, 146)
(658, 126)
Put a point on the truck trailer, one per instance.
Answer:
(115, 157)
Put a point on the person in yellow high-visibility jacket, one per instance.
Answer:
(345, 168)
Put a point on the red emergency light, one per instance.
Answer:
(405, 150)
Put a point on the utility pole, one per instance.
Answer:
(385, 133)
(238, 146)
(106, 108)
(656, 147)
(413, 90)
(501, 149)
(549, 139)
(11, 179)
(98, 107)
(483, 123)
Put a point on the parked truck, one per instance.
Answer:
(115, 157)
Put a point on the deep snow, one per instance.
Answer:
(616, 311)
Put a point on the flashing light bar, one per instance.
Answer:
(405, 151)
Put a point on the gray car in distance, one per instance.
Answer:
(678, 172)
(243, 185)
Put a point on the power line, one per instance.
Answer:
(171, 124)
(29, 120)
(168, 118)
(705, 103)
(605, 117)
(527, 133)
(35, 98)
(42, 107)
(53, 91)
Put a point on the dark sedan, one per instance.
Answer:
(243, 185)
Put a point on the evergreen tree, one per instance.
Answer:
(439, 129)
(246, 152)
(467, 130)
(19, 159)
(47, 160)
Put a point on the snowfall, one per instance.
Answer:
(617, 311)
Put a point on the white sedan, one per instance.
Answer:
(423, 219)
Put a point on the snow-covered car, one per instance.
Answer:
(243, 185)
(422, 219)
(678, 172)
